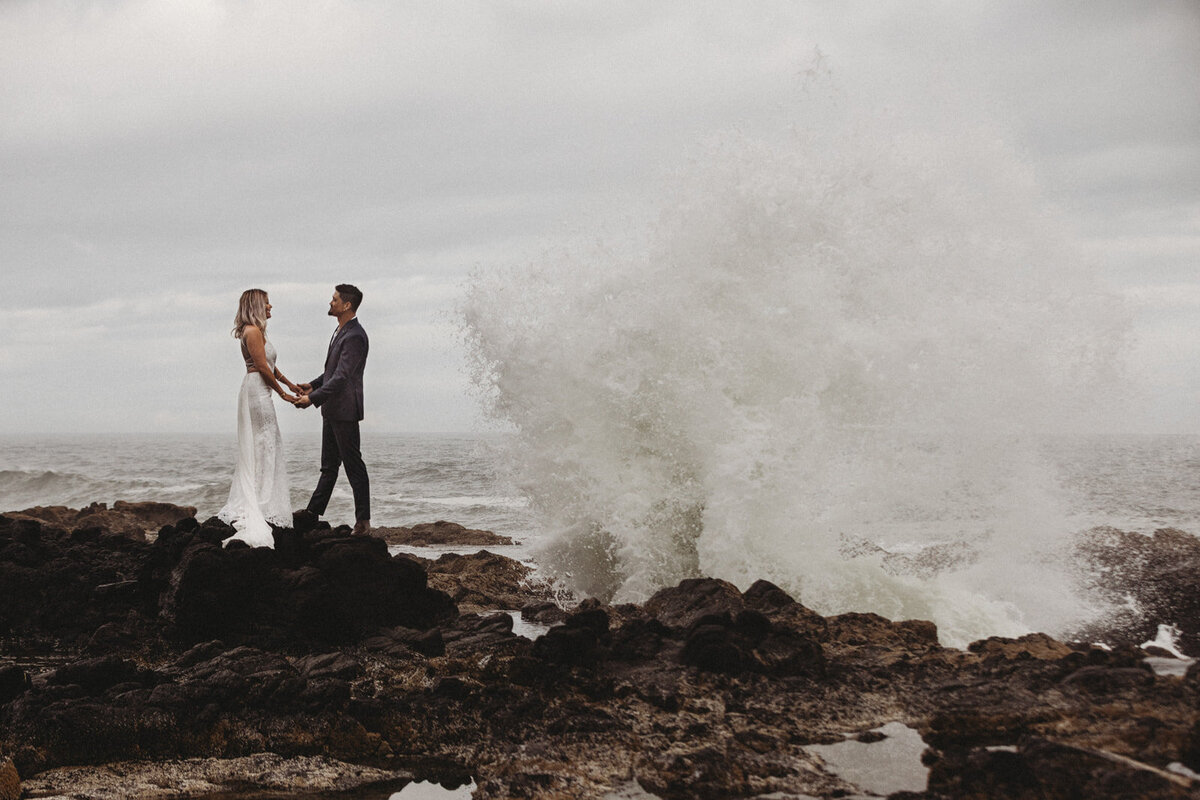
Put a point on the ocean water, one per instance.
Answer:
(1133, 482)
(414, 477)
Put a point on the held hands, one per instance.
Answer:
(303, 391)
(300, 398)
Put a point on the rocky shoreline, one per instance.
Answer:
(329, 664)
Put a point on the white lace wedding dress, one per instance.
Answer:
(259, 495)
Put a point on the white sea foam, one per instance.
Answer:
(858, 332)
(1167, 638)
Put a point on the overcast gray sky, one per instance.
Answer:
(157, 158)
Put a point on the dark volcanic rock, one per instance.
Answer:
(264, 774)
(1109, 680)
(751, 643)
(1161, 573)
(13, 682)
(155, 515)
(1038, 769)
(578, 641)
(681, 606)
(326, 587)
(714, 647)
(440, 533)
(95, 675)
(10, 781)
(545, 612)
(133, 520)
(113, 592)
(485, 580)
(400, 641)
(327, 646)
(54, 584)
(716, 642)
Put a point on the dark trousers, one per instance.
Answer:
(340, 445)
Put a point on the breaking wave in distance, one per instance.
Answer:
(824, 361)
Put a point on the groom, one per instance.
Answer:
(339, 395)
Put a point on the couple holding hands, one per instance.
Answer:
(259, 495)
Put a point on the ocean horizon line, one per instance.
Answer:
(231, 433)
(1107, 432)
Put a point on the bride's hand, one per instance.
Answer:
(289, 398)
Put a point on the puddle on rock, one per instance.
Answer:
(417, 790)
(1170, 666)
(450, 789)
(630, 790)
(424, 790)
(528, 630)
(884, 767)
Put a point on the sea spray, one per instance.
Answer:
(823, 353)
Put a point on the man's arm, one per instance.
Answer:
(354, 352)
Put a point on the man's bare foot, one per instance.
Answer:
(362, 528)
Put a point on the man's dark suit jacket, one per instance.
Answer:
(339, 390)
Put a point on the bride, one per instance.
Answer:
(259, 496)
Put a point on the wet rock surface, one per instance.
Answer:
(133, 520)
(201, 776)
(440, 533)
(328, 647)
(1159, 573)
(485, 580)
(106, 593)
(10, 781)
(1039, 768)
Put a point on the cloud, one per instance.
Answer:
(158, 158)
(1183, 296)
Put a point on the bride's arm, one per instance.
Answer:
(286, 382)
(253, 337)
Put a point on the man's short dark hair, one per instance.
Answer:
(349, 294)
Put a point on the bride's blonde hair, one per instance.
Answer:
(252, 310)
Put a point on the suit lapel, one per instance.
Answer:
(338, 335)
(329, 353)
